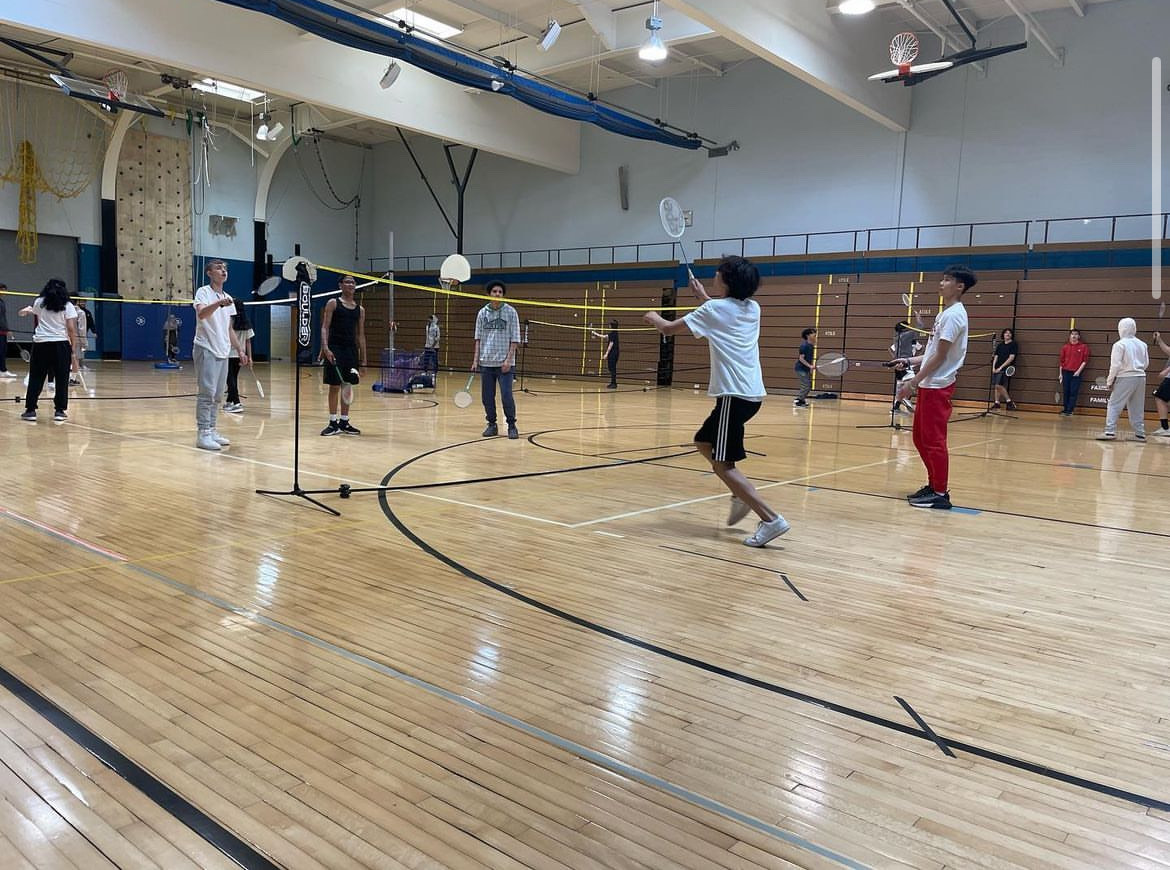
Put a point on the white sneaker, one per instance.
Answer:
(219, 439)
(7, 374)
(768, 531)
(206, 442)
(1160, 433)
(1107, 436)
(236, 408)
(738, 511)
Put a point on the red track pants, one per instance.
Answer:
(931, 414)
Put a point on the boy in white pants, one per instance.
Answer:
(1127, 377)
(214, 340)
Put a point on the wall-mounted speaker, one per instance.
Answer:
(624, 186)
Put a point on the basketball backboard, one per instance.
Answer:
(99, 92)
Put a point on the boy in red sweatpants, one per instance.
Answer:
(937, 369)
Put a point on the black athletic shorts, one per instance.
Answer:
(347, 360)
(1163, 391)
(1001, 380)
(723, 428)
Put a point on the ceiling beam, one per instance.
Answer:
(802, 38)
(1077, 8)
(191, 37)
(1032, 29)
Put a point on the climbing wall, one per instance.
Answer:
(154, 217)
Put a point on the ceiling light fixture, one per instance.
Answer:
(549, 35)
(856, 7)
(653, 49)
(390, 76)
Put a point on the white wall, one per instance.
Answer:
(1027, 140)
(297, 210)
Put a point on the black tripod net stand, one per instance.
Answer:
(894, 423)
(304, 342)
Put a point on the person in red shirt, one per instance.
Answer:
(1074, 356)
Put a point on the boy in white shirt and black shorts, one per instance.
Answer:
(730, 321)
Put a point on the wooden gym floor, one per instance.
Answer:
(561, 657)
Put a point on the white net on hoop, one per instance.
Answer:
(49, 143)
(903, 49)
(117, 82)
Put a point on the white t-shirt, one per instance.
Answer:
(51, 324)
(211, 332)
(242, 335)
(950, 325)
(732, 329)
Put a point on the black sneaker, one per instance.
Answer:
(513, 433)
(347, 429)
(800, 403)
(1011, 406)
(60, 416)
(491, 431)
(919, 493)
(334, 428)
(933, 500)
(29, 416)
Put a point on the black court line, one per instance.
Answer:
(783, 576)
(202, 824)
(1068, 464)
(746, 679)
(985, 510)
(938, 741)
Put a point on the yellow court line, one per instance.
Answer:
(162, 557)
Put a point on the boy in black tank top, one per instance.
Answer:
(343, 347)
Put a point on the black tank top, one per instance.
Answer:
(343, 326)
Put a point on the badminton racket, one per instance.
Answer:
(1009, 371)
(917, 317)
(463, 397)
(835, 365)
(256, 378)
(675, 224)
(346, 386)
(24, 354)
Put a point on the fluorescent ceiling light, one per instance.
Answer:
(855, 7)
(424, 23)
(227, 89)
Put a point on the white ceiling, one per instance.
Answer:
(510, 28)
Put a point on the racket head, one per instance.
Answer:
(259, 386)
(1058, 397)
(906, 299)
(833, 365)
(1162, 309)
(347, 393)
(671, 215)
(25, 355)
(1009, 371)
(268, 285)
(462, 398)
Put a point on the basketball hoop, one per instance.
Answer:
(449, 283)
(117, 83)
(903, 51)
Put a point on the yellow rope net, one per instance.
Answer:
(49, 143)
